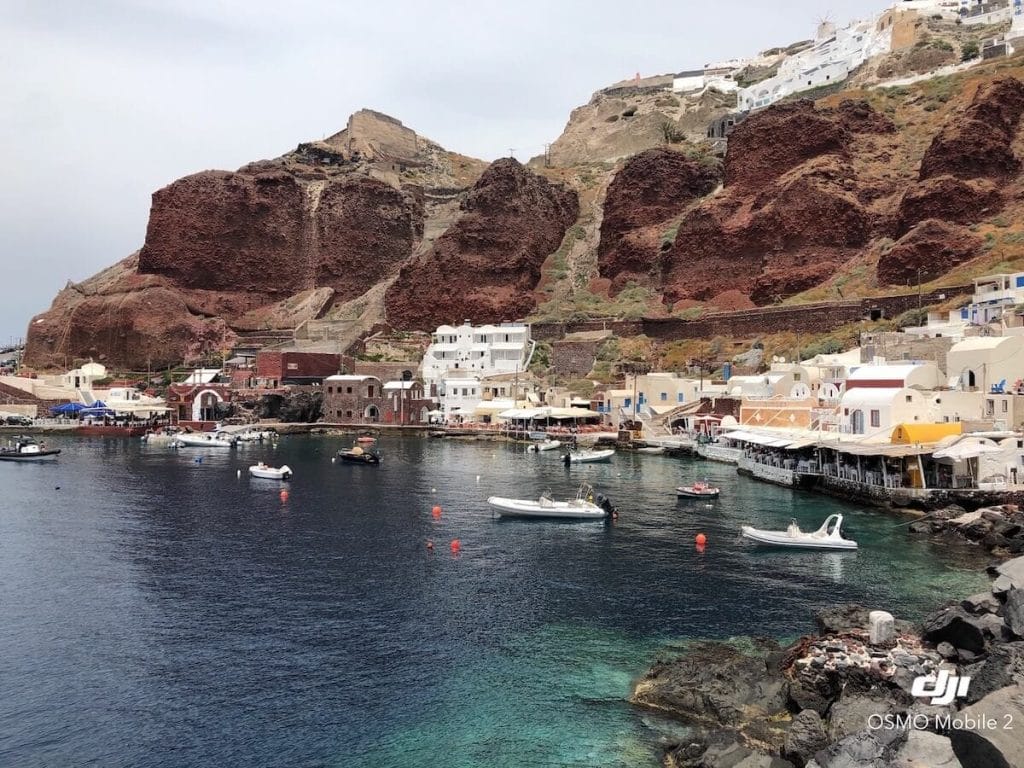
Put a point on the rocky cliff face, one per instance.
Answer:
(651, 190)
(487, 264)
(269, 246)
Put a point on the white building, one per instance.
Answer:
(993, 296)
(459, 397)
(986, 363)
(835, 53)
(476, 352)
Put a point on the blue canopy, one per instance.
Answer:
(99, 408)
(67, 408)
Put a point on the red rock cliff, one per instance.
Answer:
(486, 266)
(650, 190)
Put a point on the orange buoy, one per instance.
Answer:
(701, 539)
(436, 512)
(456, 546)
(700, 549)
(430, 545)
(284, 495)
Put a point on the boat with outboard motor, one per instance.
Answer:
(265, 472)
(828, 536)
(203, 439)
(698, 490)
(546, 445)
(588, 456)
(586, 506)
(27, 449)
(359, 455)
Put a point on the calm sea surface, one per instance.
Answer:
(159, 611)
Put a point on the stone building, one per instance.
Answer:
(362, 399)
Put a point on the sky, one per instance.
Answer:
(102, 102)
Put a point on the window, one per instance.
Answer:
(910, 398)
(876, 418)
(1004, 408)
(330, 390)
(348, 391)
(369, 390)
(348, 414)
(796, 377)
(664, 397)
(679, 397)
(627, 402)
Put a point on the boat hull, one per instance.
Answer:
(554, 510)
(589, 458)
(549, 445)
(39, 456)
(363, 459)
(689, 493)
(271, 473)
(202, 442)
(807, 541)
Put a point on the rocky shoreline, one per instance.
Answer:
(844, 697)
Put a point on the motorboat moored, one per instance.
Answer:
(546, 445)
(359, 455)
(588, 457)
(203, 439)
(586, 506)
(261, 470)
(828, 536)
(698, 490)
(162, 436)
(27, 449)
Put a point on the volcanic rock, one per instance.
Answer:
(934, 247)
(646, 194)
(995, 745)
(954, 625)
(977, 143)
(888, 747)
(950, 199)
(485, 267)
(806, 736)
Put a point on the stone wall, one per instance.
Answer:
(574, 358)
(893, 345)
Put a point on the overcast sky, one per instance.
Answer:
(104, 101)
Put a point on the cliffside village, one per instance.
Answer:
(925, 413)
(835, 54)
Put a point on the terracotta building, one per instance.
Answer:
(275, 368)
(362, 399)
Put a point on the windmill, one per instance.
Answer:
(826, 27)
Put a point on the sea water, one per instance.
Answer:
(158, 610)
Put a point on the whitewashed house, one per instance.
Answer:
(475, 352)
(986, 363)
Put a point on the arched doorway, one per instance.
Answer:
(857, 422)
(424, 415)
(204, 407)
(372, 413)
(970, 379)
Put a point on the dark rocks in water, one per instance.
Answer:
(1002, 667)
(954, 625)
(806, 736)
(718, 684)
(992, 746)
(1008, 575)
(977, 529)
(1014, 611)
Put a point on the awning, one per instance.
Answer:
(967, 449)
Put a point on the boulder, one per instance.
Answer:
(954, 625)
(946, 650)
(881, 629)
(993, 740)
(1009, 574)
(1002, 667)
(853, 711)
(1014, 611)
(983, 602)
(850, 617)
(805, 737)
(888, 748)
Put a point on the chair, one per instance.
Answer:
(998, 389)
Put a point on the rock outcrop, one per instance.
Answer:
(485, 267)
(934, 247)
(793, 209)
(650, 190)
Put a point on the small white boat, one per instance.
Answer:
(164, 436)
(202, 439)
(828, 536)
(547, 445)
(283, 472)
(588, 457)
(27, 449)
(651, 450)
(584, 507)
(255, 436)
(699, 490)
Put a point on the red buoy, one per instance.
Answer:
(456, 546)
(430, 545)
(701, 539)
(436, 512)
(284, 496)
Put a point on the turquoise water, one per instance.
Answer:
(162, 611)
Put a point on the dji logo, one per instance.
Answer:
(941, 688)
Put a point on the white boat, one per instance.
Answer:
(202, 439)
(584, 507)
(828, 536)
(547, 445)
(588, 457)
(27, 449)
(283, 472)
(256, 436)
(699, 490)
(161, 436)
(651, 450)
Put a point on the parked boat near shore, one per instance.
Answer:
(698, 490)
(828, 536)
(203, 439)
(261, 470)
(546, 445)
(27, 449)
(588, 457)
(359, 455)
